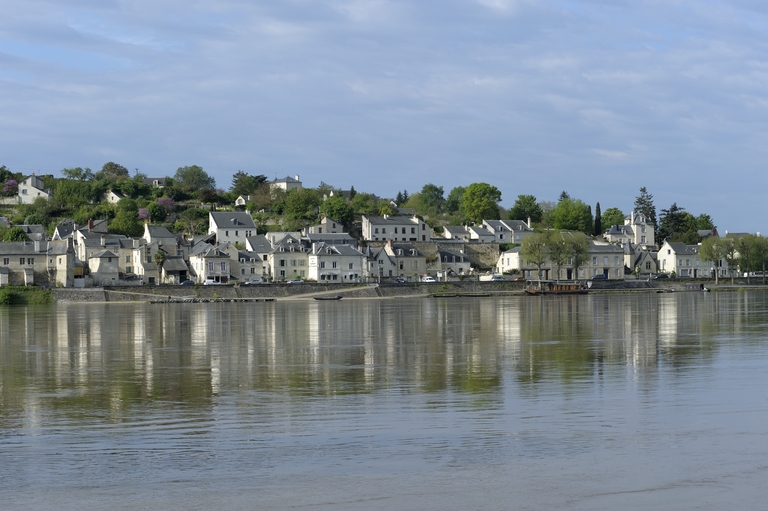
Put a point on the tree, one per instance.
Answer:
(432, 200)
(453, 201)
(572, 215)
(338, 209)
(364, 204)
(613, 216)
(112, 171)
(578, 243)
(78, 173)
(127, 220)
(301, 204)
(193, 178)
(192, 221)
(15, 234)
(712, 250)
(644, 205)
(481, 202)
(730, 254)
(156, 212)
(533, 250)
(558, 250)
(704, 222)
(159, 259)
(246, 184)
(526, 207)
(563, 195)
(168, 204)
(672, 222)
(598, 221)
(10, 187)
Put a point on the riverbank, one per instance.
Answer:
(306, 291)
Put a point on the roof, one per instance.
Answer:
(680, 248)
(259, 243)
(232, 219)
(174, 264)
(102, 254)
(390, 220)
(341, 250)
(286, 179)
(339, 237)
(18, 248)
(158, 231)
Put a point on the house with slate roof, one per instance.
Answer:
(286, 183)
(209, 263)
(335, 263)
(32, 188)
(684, 261)
(103, 266)
(395, 228)
(231, 226)
(508, 231)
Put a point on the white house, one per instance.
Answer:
(683, 260)
(508, 231)
(395, 228)
(32, 188)
(286, 183)
(231, 226)
(335, 263)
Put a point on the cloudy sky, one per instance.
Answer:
(595, 97)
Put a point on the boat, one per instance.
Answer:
(551, 287)
(325, 298)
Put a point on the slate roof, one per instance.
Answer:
(229, 219)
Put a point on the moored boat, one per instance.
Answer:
(325, 298)
(550, 287)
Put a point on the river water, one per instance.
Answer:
(586, 402)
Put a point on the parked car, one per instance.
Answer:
(399, 280)
(497, 278)
(187, 283)
(211, 282)
(252, 282)
(428, 279)
(295, 281)
(599, 276)
(661, 276)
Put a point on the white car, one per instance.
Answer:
(252, 282)
(428, 279)
(211, 282)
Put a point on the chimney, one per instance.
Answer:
(389, 243)
(529, 222)
(297, 177)
(90, 224)
(102, 240)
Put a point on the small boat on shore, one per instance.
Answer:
(550, 287)
(327, 298)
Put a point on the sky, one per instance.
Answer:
(596, 98)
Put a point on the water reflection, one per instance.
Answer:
(107, 355)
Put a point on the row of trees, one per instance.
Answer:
(748, 254)
(561, 248)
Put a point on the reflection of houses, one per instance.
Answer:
(335, 263)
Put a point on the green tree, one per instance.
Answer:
(578, 245)
(156, 212)
(15, 234)
(598, 221)
(78, 174)
(193, 178)
(246, 184)
(673, 222)
(453, 201)
(192, 221)
(480, 201)
(613, 216)
(364, 204)
(572, 215)
(533, 250)
(127, 220)
(526, 207)
(704, 222)
(112, 171)
(339, 209)
(302, 204)
(644, 205)
(558, 251)
(432, 200)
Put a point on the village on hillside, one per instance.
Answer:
(150, 233)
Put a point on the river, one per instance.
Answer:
(634, 401)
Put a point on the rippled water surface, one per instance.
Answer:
(589, 402)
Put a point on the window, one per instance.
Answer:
(210, 268)
(383, 230)
(395, 230)
(648, 265)
(21, 260)
(376, 230)
(401, 265)
(333, 264)
(109, 259)
(237, 233)
(351, 266)
(322, 264)
(224, 267)
(413, 230)
(242, 271)
(616, 260)
(127, 259)
(24, 191)
(6, 261)
(128, 269)
(226, 233)
(642, 239)
(594, 259)
(616, 272)
(282, 263)
(605, 260)
(253, 270)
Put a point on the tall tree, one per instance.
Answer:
(712, 249)
(598, 221)
(572, 215)
(339, 209)
(112, 171)
(246, 184)
(481, 202)
(533, 250)
(674, 223)
(704, 222)
(193, 178)
(563, 195)
(613, 216)
(526, 207)
(558, 251)
(453, 201)
(644, 205)
(579, 244)
(432, 200)
(78, 173)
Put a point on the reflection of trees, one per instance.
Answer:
(104, 357)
